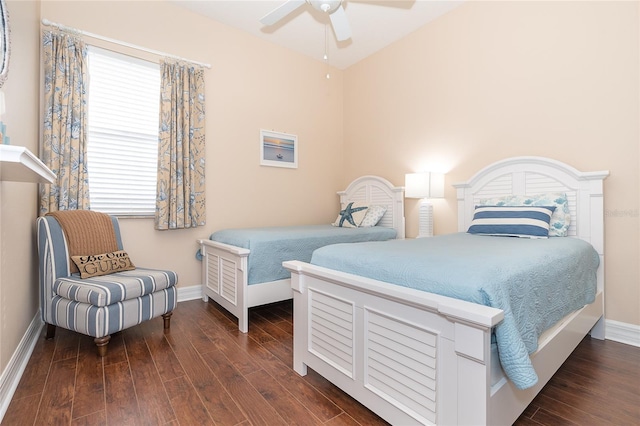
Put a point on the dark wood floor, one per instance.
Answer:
(203, 371)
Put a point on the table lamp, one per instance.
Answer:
(424, 185)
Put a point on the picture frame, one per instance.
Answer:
(278, 149)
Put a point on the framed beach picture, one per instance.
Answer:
(278, 149)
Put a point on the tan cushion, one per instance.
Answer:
(103, 264)
(86, 231)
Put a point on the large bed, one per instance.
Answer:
(244, 268)
(417, 357)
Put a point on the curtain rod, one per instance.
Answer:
(48, 23)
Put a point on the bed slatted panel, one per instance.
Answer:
(400, 363)
(222, 283)
(332, 331)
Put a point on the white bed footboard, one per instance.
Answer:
(224, 274)
(412, 357)
(224, 278)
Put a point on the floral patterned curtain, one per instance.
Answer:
(180, 198)
(65, 116)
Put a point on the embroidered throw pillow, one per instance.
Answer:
(373, 216)
(512, 221)
(103, 264)
(560, 219)
(351, 215)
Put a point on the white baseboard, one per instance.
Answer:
(189, 293)
(13, 372)
(622, 332)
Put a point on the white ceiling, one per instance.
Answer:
(374, 24)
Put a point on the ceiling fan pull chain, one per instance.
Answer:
(326, 44)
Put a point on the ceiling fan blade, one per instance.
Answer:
(281, 11)
(340, 24)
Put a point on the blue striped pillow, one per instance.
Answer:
(512, 221)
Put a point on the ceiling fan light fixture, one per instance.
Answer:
(327, 6)
(333, 8)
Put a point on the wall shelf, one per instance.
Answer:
(18, 164)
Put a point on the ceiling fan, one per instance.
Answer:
(333, 8)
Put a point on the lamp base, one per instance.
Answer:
(425, 219)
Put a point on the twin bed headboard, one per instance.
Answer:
(537, 175)
(375, 190)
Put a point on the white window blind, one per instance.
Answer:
(122, 133)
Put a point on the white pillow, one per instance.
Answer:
(351, 215)
(373, 216)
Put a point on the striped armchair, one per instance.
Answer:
(100, 305)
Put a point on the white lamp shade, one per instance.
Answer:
(416, 185)
(424, 185)
(436, 185)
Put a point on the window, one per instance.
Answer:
(122, 133)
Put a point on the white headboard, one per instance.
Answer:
(378, 190)
(537, 175)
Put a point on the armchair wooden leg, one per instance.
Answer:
(51, 331)
(101, 343)
(167, 320)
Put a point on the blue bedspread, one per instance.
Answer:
(271, 246)
(536, 282)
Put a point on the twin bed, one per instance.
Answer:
(243, 267)
(417, 357)
(399, 331)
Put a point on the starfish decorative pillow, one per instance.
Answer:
(351, 215)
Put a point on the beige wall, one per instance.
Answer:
(18, 258)
(491, 80)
